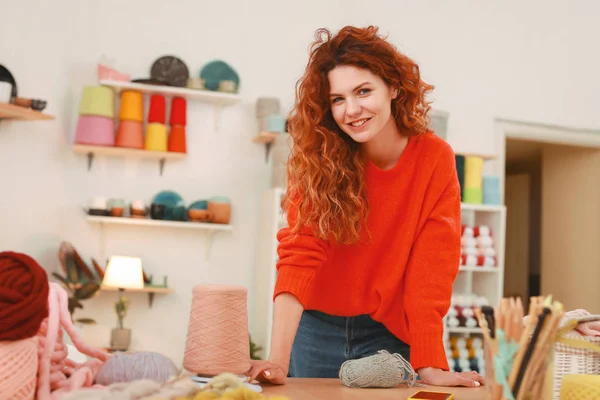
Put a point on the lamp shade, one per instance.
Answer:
(124, 273)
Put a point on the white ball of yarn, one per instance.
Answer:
(381, 370)
(129, 367)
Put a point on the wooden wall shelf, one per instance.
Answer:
(151, 290)
(207, 96)
(13, 112)
(112, 151)
(266, 138)
(210, 228)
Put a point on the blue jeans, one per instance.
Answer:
(323, 342)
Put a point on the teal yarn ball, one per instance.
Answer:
(217, 71)
(129, 367)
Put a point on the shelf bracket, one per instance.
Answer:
(161, 166)
(90, 160)
(267, 151)
(209, 242)
(217, 115)
(150, 299)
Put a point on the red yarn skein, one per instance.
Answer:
(23, 296)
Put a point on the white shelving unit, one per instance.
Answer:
(480, 281)
(272, 220)
(484, 281)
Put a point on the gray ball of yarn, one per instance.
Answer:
(381, 370)
(129, 367)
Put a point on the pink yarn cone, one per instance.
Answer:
(18, 369)
(218, 340)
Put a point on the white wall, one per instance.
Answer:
(530, 61)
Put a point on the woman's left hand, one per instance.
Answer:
(439, 377)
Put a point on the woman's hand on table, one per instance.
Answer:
(439, 377)
(267, 372)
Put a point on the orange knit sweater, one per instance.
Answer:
(403, 277)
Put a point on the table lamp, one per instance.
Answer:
(122, 273)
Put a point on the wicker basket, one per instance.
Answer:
(575, 353)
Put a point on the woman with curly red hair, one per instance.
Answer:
(373, 244)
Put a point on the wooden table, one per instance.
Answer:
(333, 389)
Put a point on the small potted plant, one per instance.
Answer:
(79, 285)
(120, 336)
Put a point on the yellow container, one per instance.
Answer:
(156, 137)
(98, 101)
(132, 106)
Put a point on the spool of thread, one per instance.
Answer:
(157, 112)
(218, 340)
(473, 195)
(128, 367)
(473, 172)
(156, 137)
(460, 170)
(132, 106)
(491, 190)
(18, 368)
(177, 141)
(178, 111)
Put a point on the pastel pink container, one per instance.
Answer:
(95, 130)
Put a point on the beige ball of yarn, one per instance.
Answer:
(128, 367)
(381, 370)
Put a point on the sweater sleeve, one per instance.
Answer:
(300, 255)
(432, 267)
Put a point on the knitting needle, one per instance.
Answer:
(536, 370)
(529, 351)
(524, 337)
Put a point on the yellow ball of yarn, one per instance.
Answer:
(580, 387)
(242, 394)
(206, 395)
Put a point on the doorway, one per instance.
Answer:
(552, 197)
(523, 219)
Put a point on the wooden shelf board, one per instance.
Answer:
(159, 223)
(466, 268)
(484, 156)
(464, 330)
(482, 207)
(111, 151)
(11, 111)
(208, 96)
(265, 137)
(148, 289)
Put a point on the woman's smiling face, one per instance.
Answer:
(360, 102)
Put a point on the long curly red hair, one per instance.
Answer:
(325, 167)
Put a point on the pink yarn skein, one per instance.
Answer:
(57, 374)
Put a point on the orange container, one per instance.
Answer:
(177, 141)
(130, 134)
(132, 106)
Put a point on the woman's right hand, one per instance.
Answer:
(267, 372)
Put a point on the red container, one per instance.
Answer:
(177, 142)
(157, 112)
(178, 111)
